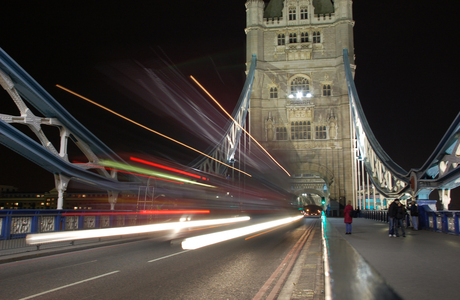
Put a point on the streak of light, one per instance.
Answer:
(217, 237)
(41, 238)
(142, 212)
(151, 130)
(274, 160)
(119, 165)
(165, 167)
(126, 172)
(255, 235)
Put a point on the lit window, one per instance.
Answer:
(320, 132)
(316, 37)
(281, 39)
(326, 89)
(301, 130)
(281, 133)
(304, 37)
(300, 84)
(293, 38)
(273, 92)
(303, 13)
(292, 14)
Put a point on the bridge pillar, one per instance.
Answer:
(444, 196)
(113, 196)
(61, 183)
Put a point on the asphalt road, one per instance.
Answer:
(154, 269)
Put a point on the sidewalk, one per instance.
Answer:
(423, 265)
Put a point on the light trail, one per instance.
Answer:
(41, 238)
(218, 237)
(274, 160)
(165, 167)
(149, 129)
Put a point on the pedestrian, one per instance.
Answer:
(358, 213)
(399, 218)
(392, 209)
(414, 214)
(347, 217)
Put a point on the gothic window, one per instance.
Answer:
(326, 89)
(281, 133)
(292, 13)
(273, 92)
(320, 132)
(301, 130)
(300, 85)
(293, 38)
(304, 37)
(281, 39)
(303, 13)
(316, 37)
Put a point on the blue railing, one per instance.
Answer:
(438, 221)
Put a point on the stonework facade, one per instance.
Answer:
(299, 108)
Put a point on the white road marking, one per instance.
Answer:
(167, 256)
(69, 285)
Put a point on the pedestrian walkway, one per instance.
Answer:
(422, 265)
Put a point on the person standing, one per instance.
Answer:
(392, 209)
(347, 218)
(400, 214)
(414, 214)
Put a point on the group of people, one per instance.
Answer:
(396, 214)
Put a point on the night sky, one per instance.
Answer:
(406, 53)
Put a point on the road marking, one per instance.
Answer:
(168, 256)
(69, 285)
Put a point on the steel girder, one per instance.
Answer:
(440, 171)
(225, 151)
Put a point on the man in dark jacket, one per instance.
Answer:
(414, 214)
(399, 218)
(392, 209)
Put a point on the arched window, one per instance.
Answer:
(316, 37)
(292, 13)
(281, 133)
(303, 13)
(304, 37)
(300, 84)
(293, 38)
(326, 89)
(320, 132)
(301, 130)
(273, 92)
(281, 39)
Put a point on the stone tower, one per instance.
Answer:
(299, 108)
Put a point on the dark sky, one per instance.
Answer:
(405, 56)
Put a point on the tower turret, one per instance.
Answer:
(254, 29)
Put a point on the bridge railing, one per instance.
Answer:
(439, 221)
(16, 224)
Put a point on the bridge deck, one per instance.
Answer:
(423, 265)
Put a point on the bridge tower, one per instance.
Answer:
(299, 109)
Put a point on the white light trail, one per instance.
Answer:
(217, 237)
(41, 238)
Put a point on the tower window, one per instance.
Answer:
(301, 130)
(273, 92)
(326, 89)
(292, 14)
(304, 37)
(281, 133)
(303, 13)
(316, 37)
(281, 39)
(293, 38)
(320, 132)
(300, 84)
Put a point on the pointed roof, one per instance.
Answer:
(323, 6)
(274, 9)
